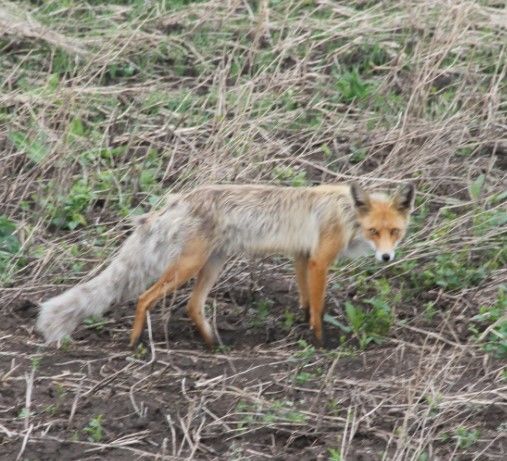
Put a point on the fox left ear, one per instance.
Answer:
(359, 197)
(404, 198)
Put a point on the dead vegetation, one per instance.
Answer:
(105, 106)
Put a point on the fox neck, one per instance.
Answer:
(357, 248)
(357, 245)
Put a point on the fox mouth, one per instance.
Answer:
(384, 256)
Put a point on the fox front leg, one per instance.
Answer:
(317, 271)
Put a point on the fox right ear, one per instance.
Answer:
(404, 198)
(359, 197)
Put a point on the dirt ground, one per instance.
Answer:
(266, 395)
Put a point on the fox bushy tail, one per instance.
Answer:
(143, 257)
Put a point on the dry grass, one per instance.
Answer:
(105, 106)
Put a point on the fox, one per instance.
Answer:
(196, 232)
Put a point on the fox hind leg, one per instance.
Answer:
(205, 281)
(191, 260)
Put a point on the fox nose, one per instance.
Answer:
(386, 257)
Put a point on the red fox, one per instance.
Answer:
(195, 232)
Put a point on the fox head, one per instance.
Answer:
(383, 220)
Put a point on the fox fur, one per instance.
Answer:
(196, 232)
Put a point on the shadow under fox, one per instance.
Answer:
(196, 232)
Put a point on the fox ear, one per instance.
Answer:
(404, 198)
(359, 197)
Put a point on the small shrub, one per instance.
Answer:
(452, 271)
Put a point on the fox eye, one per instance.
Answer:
(395, 232)
(373, 232)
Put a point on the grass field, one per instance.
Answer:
(107, 105)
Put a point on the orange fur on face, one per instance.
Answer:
(383, 225)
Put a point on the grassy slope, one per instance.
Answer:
(104, 106)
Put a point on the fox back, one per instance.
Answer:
(268, 219)
(291, 221)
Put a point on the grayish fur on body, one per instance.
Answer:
(234, 219)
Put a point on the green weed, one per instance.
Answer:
(274, 412)
(466, 437)
(306, 351)
(424, 456)
(303, 377)
(65, 344)
(334, 454)
(51, 410)
(36, 360)
(288, 319)
(487, 220)
(372, 324)
(476, 186)
(357, 154)
(494, 316)
(94, 429)
(9, 243)
(95, 323)
(69, 211)
(451, 271)
(290, 176)
(368, 326)
(24, 413)
(263, 307)
(430, 311)
(141, 351)
(352, 87)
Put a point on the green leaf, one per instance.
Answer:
(476, 187)
(498, 198)
(336, 323)
(378, 303)
(76, 127)
(355, 316)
